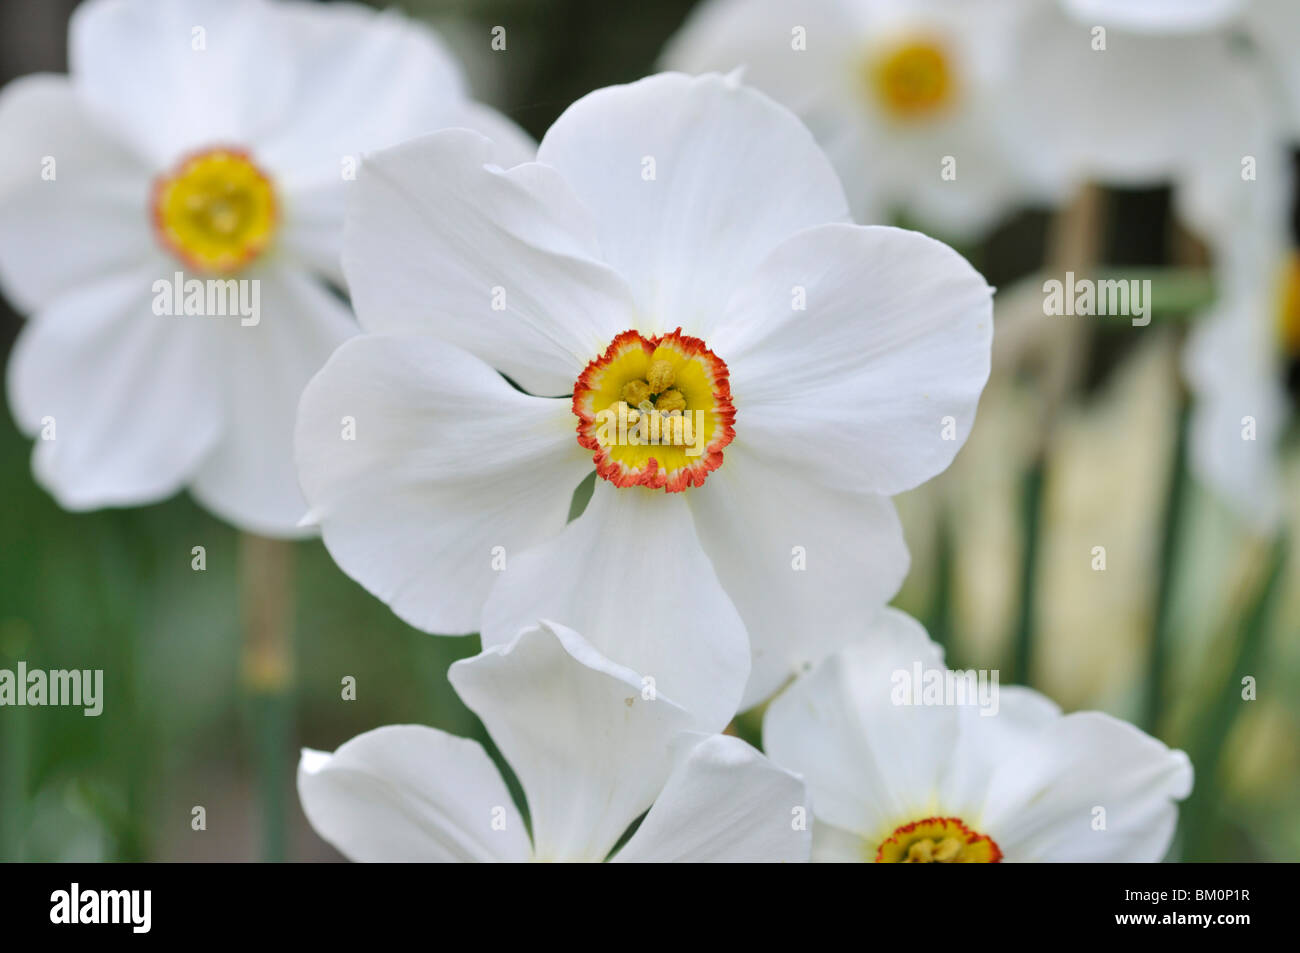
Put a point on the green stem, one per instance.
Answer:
(1032, 525)
(1170, 547)
(1217, 722)
(266, 580)
(940, 620)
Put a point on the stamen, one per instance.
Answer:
(660, 377)
(655, 412)
(670, 400)
(937, 840)
(216, 211)
(913, 79)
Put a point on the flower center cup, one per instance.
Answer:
(655, 411)
(937, 840)
(216, 211)
(912, 80)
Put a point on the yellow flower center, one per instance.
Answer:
(216, 211)
(937, 840)
(655, 411)
(912, 80)
(1288, 311)
(1288, 325)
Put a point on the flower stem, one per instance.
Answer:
(266, 583)
(1170, 547)
(1215, 726)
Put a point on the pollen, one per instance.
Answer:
(216, 211)
(655, 411)
(669, 401)
(912, 79)
(660, 377)
(937, 840)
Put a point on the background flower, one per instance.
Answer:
(1013, 781)
(592, 751)
(271, 102)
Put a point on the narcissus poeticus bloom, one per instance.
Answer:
(910, 98)
(671, 293)
(905, 765)
(592, 748)
(170, 215)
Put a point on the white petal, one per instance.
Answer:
(1125, 114)
(499, 262)
(589, 748)
(1235, 381)
(183, 75)
(724, 803)
(870, 764)
(73, 203)
(1156, 16)
(991, 734)
(249, 478)
(133, 398)
(1043, 799)
(801, 584)
(448, 462)
(1273, 25)
(363, 80)
(733, 174)
(630, 575)
(859, 390)
(409, 793)
(757, 37)
(512, 146)
(833, 845)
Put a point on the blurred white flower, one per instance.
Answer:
(892, 780)
(215, 140)
(850, 359)
(592, 752)
(1243, 359)
(1103, 100)
(910, 98)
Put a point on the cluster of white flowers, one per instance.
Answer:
(953, 112)
(679, 248)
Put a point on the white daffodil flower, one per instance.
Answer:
(676, 291)
(910, 98)
(1243, 359)
(593, 747)
(1144, 95)
(170, 215)
(908, 763)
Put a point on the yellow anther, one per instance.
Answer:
(636, 391)
(920, 852)
(949, 849)
(670, 400)
(912, 80)
(660, 377)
